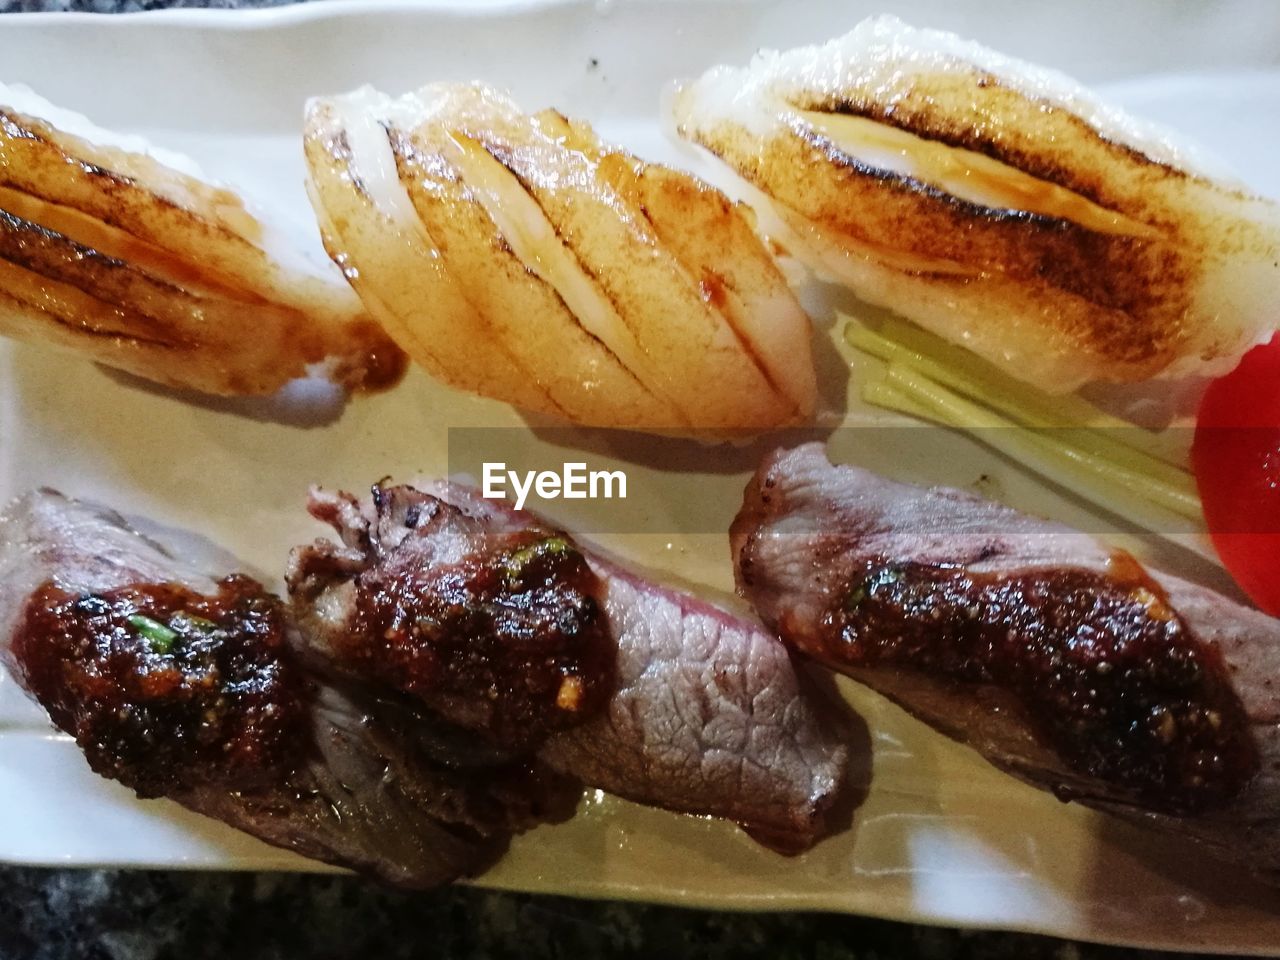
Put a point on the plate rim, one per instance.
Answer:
(297, 11)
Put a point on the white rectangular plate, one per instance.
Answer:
(942, 837)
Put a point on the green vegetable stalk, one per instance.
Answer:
(1108, 461)
(154, 632)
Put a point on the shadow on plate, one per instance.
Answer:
(1197, 882)
(306, 404)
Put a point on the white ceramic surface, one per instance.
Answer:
(942, 837)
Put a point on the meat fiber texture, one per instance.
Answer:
(710, 715)
(806, 526)
(367, 797)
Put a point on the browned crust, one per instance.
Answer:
(149, 301)
(687, 198)
(924, 111)
(410, 162)
(117, 257)
(1121, 302)
(37, 162)
(109, 308)
(505, 156)
(692, 200)
(1118, 277)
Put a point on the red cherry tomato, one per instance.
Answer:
(1236, 457)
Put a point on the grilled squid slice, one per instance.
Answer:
(998, 204)
(520, 258)
(127, 254)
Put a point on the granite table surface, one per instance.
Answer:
(155, 915)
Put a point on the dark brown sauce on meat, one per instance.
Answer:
(512, 638)
(165, 689)
(1109, 675)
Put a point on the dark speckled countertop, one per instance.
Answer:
(118, 915)
(152, 915)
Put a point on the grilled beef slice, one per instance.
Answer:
(1061, 661)
(184, 684)
(702, 711)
